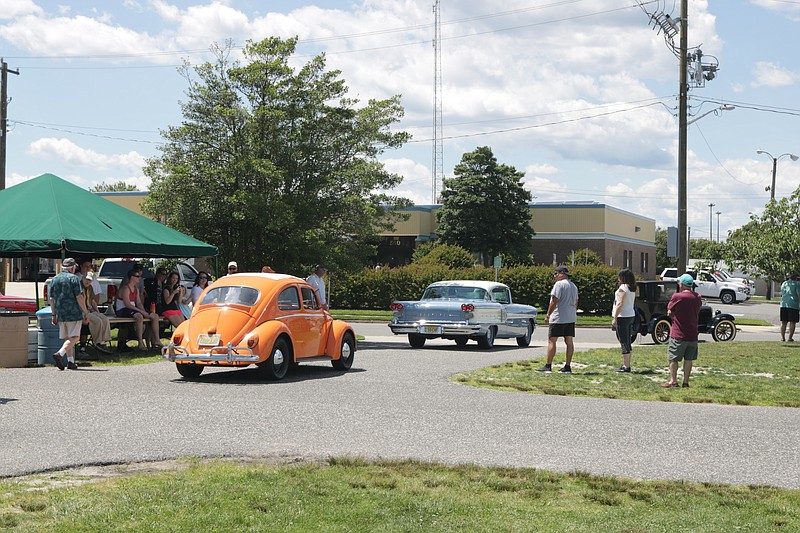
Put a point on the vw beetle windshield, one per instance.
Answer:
(457, 293)
(235, 295)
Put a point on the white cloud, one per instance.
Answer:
(66, 152)
(769, 74)
(11, 9)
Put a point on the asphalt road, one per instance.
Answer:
(396, 402)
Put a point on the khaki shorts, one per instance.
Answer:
(68, 330)
(680, 349)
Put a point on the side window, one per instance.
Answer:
(288, 300)
(187, 273)
(501, 295)
(309, 298)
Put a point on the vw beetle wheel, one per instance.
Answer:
(525, 340)
(280, 359)
(725, 330)
(487, 341)
(416, 340)
(189, 370)
(345, 361)
(661, 331)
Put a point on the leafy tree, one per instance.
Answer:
(706, 250)
(119, 186)
(276, 165)
(436, 253)
(769, 244)
(485, 207)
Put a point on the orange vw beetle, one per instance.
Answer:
(271, 320)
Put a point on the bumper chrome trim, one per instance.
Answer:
(217, 354)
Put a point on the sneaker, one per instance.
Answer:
(566, 369)
(624, 369)
(546, 369)
(101, 347)
(59, 360)
(72, 366)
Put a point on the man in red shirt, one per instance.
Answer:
(684, 308)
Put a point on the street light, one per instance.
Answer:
(716, 110)
(775, 167)
(718, 214)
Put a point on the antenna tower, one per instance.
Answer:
(437, 167)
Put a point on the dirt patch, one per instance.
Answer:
(81, 475)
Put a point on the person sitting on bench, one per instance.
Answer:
(129, 305)
(99, 326)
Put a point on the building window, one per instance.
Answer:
(643, 265)
(627, 258)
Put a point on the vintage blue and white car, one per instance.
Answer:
(460, 310)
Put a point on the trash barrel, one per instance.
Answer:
(49, 342)
(14, 332)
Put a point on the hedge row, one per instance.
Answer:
(376, 289)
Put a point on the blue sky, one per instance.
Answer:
(579, 94)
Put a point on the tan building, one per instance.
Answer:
(620, 238)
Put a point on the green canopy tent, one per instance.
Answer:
(50, 217)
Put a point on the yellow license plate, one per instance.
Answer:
(208, 340)
(431, 329)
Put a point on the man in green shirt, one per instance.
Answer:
(790, 305)
(69, 311)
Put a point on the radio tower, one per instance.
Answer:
(437, 167)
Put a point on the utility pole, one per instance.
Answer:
(683, 241)
(4, 120)
(718, 214)
(710, 222)
(438, 144)
(4, 270)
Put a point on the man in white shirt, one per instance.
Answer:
(316, 280)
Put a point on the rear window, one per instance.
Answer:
(119, 269)
(459, 293)
(231, 295)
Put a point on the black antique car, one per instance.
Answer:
(651, 302)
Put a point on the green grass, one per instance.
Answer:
(405, 496)
(733, 373)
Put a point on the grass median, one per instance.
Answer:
(402, 496)
(733, 373)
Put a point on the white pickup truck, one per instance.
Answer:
(709, 286)
(114, 269)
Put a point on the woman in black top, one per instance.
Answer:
(171, 295)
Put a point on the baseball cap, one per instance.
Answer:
(69, 262)
(233, 264)
(563, 270)
(319, 267)
(687, 279)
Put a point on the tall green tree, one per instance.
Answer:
(119, 186)
(485, 207)
(275, 164)
(769, 244)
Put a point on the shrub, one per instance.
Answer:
(450, 255)
(376, 289)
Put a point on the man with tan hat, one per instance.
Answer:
(69, 312)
